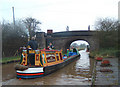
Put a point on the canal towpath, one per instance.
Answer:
(107, 78)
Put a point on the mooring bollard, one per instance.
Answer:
(94, 74)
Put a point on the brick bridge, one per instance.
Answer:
(62, 40)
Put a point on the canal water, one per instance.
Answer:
(76, 73)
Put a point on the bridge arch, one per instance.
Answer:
(93, 44)
(64, 43)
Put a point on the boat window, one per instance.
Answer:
(41, 60)
(60, 56)
(43, 56)
(57, 56)
(37, 57)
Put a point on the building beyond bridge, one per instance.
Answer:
(62, 40)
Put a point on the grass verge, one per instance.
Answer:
(8, 59)
(111, 52)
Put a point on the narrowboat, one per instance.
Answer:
(38, 63)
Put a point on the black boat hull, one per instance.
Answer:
(49, 69)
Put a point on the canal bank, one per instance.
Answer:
(7, 60)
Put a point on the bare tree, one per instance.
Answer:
(74, 45)
(12, 38)
(107, 32)
(31, 25)
(106, 24)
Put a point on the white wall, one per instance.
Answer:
(119, 10)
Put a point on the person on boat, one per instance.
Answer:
(33, 43)
(51, 46)
(88, 48)
(48, 48)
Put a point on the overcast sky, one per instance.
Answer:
(58, 14)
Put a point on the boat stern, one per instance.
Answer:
(30, 73)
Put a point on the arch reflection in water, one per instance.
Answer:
(84, 65)
(84, 60)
